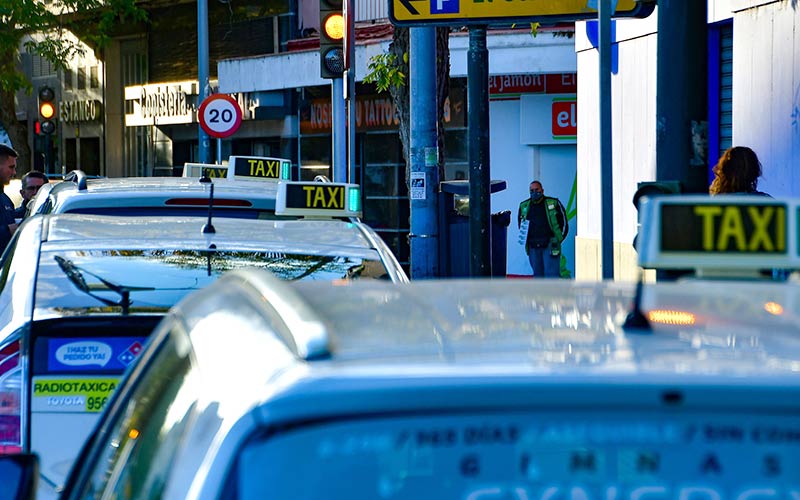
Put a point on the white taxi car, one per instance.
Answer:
(250, 193)
(476, 389)
(79, 295)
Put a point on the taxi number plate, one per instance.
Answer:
(323, 197)
(734, 228)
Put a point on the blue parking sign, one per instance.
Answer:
(444, 6)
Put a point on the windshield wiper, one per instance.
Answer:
(76, 275)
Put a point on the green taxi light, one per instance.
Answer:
(354, 199)
(286, 170)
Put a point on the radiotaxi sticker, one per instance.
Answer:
(74, 395)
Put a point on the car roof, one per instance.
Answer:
(154, 191)
(552, 327)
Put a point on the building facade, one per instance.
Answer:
(753, 93)
(532, 83)
(131, 109)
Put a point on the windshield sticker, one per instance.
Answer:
(83, 355)
(71, 395)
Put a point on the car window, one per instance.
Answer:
(134, 457)
(601, 454)
(19, 259)
(178, 211)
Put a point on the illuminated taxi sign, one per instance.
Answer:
(721, 232)
(260, 168)
(205, 169)
(724, 228)
(326, 199)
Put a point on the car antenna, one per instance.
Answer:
(211, 248)
(636, 319)
(208, 228)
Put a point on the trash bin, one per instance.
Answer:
(454, 247)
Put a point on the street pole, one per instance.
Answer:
(478, 153)
(204, 86)
(606, 164)
(350, 87)
(681, 95)
(338, 131)
(424, 154)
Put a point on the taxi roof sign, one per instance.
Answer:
(320, 199)
(260, 168)
(211, 170)
(719, 233)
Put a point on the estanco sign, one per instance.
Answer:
(82, 110)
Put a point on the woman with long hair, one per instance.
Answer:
(737, 171)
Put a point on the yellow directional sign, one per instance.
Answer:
(460, 12)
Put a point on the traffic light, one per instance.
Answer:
(651, 188)
(655, 188)
(331, 38)
(47, 110)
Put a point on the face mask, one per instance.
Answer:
(536, 196)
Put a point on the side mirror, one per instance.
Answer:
(19, 475)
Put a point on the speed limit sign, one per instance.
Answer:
(219, 115)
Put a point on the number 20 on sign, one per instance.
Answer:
(219, 115)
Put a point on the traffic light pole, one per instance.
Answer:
(338, 131)
(48, 155)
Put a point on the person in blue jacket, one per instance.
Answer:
(8, 169)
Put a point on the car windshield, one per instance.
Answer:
(157, 279)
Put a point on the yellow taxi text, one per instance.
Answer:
(253, 167)
(724, 228)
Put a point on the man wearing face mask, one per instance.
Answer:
(546, 223)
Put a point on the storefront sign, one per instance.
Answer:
(160, 104)
(375, 112)
(560, 128)
(82, 110)
(512, 86)
(174, 103)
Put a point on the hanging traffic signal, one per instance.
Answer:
(47, 110)
(331, 38)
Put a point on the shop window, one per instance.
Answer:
(70, 154)
(386, 213)
(81, 78)
(380, 180)
(94, 79)
(315, 157)
(68, 78)
(40, 66)
(383, 148)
